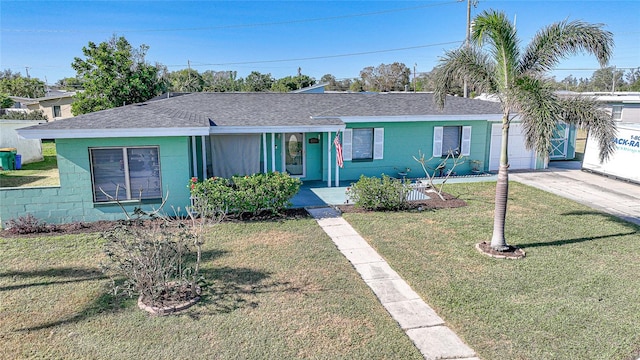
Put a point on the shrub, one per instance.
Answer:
(28, 224)
(151, 257)
(374, 193)
(264, 192)
(245, 194)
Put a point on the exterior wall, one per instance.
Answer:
(404, 140)
(72, 201)
(631, 113)
(46, 105)
(30, 149)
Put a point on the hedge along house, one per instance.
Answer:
(139, 152)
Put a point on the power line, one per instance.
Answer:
(239, 26)
(322, 57)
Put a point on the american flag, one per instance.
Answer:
(336, 142)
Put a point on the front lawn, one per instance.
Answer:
(41, 173)
(276, 290)
(576, 295)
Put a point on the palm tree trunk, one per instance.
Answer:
(498, 241)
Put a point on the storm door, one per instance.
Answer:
(294, 158)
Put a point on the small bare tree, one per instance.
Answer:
(440, 170)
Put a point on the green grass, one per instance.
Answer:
(276, 290)
(575, 296)
(41, 173)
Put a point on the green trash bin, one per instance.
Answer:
(8, 158)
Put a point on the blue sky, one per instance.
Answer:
(277, 37)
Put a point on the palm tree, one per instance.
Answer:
(518, 79)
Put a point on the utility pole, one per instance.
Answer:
(27, 69)
(414, 77)
(468, 37)
(188, 75)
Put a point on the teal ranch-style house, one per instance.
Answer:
(142, 151)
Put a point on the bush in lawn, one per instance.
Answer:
(374, 193)
(151, 252)
(151, 257)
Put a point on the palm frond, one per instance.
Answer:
(586, 113)
(539, 110)
(463, 63)
(493, 27)
(558, 40)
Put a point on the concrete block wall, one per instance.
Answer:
(72, 201)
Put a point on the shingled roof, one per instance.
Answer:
(202, 113)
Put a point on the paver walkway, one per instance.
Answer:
(423, 326)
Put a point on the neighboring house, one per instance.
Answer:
(143, 150)
(55, 105)
(624, 106)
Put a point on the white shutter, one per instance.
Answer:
(346, 144)
(378, 143)
(465, 144)
(437, 141)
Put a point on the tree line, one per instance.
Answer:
(114, 73)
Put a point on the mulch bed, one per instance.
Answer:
(433, 203)
(430, 204)
(511, 253)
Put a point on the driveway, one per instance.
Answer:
(616, 197)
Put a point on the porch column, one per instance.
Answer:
(204, 157)
(264, 152)
(329, 159)
(273, 152)
(337, 172)
(194, 157)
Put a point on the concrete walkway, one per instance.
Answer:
(423, 326)
(616, 197)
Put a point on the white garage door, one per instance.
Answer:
(519, 157)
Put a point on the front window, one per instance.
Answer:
(362, 144)
(56, 111)
(616, 112)
(125, 173)
(451, 140)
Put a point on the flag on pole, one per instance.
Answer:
(336, 142)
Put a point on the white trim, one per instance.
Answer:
(110, 133)
(419, 118)
(347, 147)
(378, 143)
(194, 160)
(273, 152)
(277, 129)
(204, 156)
(329, 157)
(438, 133)
(264, 152)
(465, 142)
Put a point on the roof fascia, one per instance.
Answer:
(273, 129)
(420, 118)
(110, 133)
